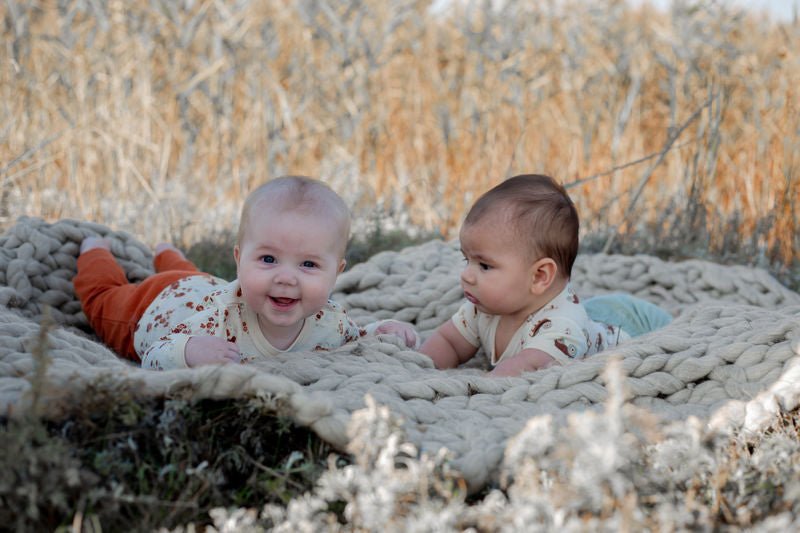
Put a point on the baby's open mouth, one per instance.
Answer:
(282, 302)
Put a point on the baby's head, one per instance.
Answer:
(538, 213)
(290, 248)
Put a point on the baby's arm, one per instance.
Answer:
(196, 341)
(525, 361)
(447, 347)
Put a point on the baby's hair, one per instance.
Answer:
(289, 193)
(540, 212)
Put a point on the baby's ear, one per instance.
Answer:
(543, 274)
(236, 254)
(342, 264)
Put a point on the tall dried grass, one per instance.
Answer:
(158, 116)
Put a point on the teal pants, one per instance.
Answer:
(634, 315)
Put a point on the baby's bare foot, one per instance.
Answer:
(164, 246)
(90, 243)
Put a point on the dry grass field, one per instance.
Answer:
(157, 117)
(677, 133)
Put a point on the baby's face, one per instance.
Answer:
(287, 265)
(497, 273)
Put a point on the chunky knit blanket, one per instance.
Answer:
(729, 357)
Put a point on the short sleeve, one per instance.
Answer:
(466, 322)
(561, 338)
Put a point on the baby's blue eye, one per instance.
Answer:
(309, 264)
(268, 259)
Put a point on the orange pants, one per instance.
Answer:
(114, 305)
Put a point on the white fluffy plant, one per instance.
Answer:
(555, 475)
(594, 470)
(603, 469)
(388, 488)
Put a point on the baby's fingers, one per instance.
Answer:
(407, 334)
(412, 339)
(231, 355)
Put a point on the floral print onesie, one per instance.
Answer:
(204, 305)
(561, 328)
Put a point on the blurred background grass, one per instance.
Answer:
(678, 131)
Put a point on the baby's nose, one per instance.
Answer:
(285, 277)
(466, 275)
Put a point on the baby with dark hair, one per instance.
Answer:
(519, 241)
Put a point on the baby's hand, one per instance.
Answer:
(208, 350)
(404, 330)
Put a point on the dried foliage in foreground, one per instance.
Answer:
(139, 465)
(133, 464)
(113, 111)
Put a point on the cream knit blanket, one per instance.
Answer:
(728, 358)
